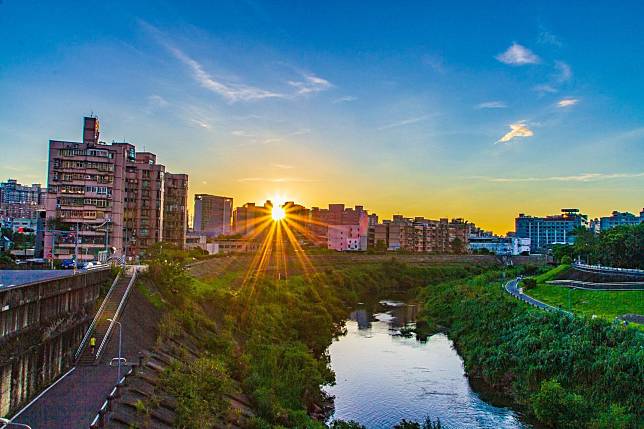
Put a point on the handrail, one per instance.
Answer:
(96, 317)
(116, 315)
(600, 268)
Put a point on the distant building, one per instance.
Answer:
(112, 195)
(420, 235)
(499, 245)
(213, 215)
(20, 201)
(175, 209)
(544, 232)
(620, 218)
(340, 228)
(250, 219)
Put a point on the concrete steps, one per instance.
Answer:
(88, 356)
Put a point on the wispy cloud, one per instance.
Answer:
(548, 38)
(545, 89)
(276, 179)
(492, 105)
(518, 129)
(300, 132)
(567, 102)
(272, 140)
(518, 55)
(564, 72)
(583, 177)
(230, 91)
(404, 122)
(282, 166)
(157, 101)
(200, 123)
(242, 133)
(436, 62)
(345, 99)
(310, 84)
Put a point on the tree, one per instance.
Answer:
(457, 245)
(556, 407)
(615, 417)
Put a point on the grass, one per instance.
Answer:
(153, 297)
(552, 274)
(604, 304)
(202, 287)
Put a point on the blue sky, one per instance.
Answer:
(474, 110)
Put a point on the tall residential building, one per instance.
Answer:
(175, 209)
(20, 201)
(343, 229)
(543, 232)
(420, 235)
(620, 218)
(213, 215)
(108, 192)
(248, 219)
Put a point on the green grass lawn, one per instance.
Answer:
(204, 286)
(552, 274)
(606, 305)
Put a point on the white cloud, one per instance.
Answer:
(282, 166)
(545, 89)
(202, 124)
(583, 177)
(311, 84)
(518, 55)
(230, 91)
(564, 72)
(242, 133)
(157, 101)
(404, 122)
(567, 102)
(492, 105)
(300, 132)
(275, 179)
(345, 99)
(518, 129)
(547, 38)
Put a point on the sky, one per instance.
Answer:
(480, 110)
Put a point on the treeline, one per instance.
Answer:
(269, 338)
(621, 246)
(566, 372)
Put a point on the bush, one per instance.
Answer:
(567, 260)
(529, 284)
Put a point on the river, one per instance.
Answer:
(382, 377)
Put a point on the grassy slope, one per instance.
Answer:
(606, 305)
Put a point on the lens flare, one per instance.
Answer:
(277, 213)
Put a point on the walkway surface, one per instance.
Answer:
(73, 402)
(512, 287)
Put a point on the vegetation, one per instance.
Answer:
(621, 246)
(604, 304)
(565, 371)
(272, 336)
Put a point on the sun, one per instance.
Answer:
(277, 213)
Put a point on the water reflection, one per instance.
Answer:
(383, 377)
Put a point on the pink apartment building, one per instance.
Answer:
(109, 193)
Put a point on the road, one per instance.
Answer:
(73, 402)
(512, 287)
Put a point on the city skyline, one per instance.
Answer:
(482, 118)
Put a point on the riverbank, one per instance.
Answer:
(268, 338)
(563, 371)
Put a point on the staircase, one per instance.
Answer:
(102, 328)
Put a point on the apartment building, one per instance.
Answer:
(620, 218)
(175, 209)
(544, 232)
(248, 219)
(20, 201)
(213, 215)
(102, 196)
(420, 235)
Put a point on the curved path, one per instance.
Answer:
(512, 287)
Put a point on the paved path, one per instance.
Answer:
(73, 402)
(512, 287)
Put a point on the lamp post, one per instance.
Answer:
(118, 376)
(9, 422)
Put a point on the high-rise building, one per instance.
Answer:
(20, 201)
(109, 193)
(420, 235)
(175, 209)
(544, 232)
(213, 215)
(248, 220)
(620, 218)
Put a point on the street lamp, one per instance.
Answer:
(9, 422)
(118, 377)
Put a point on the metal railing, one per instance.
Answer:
(600, 268)
(96, 318)
(116, 315)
